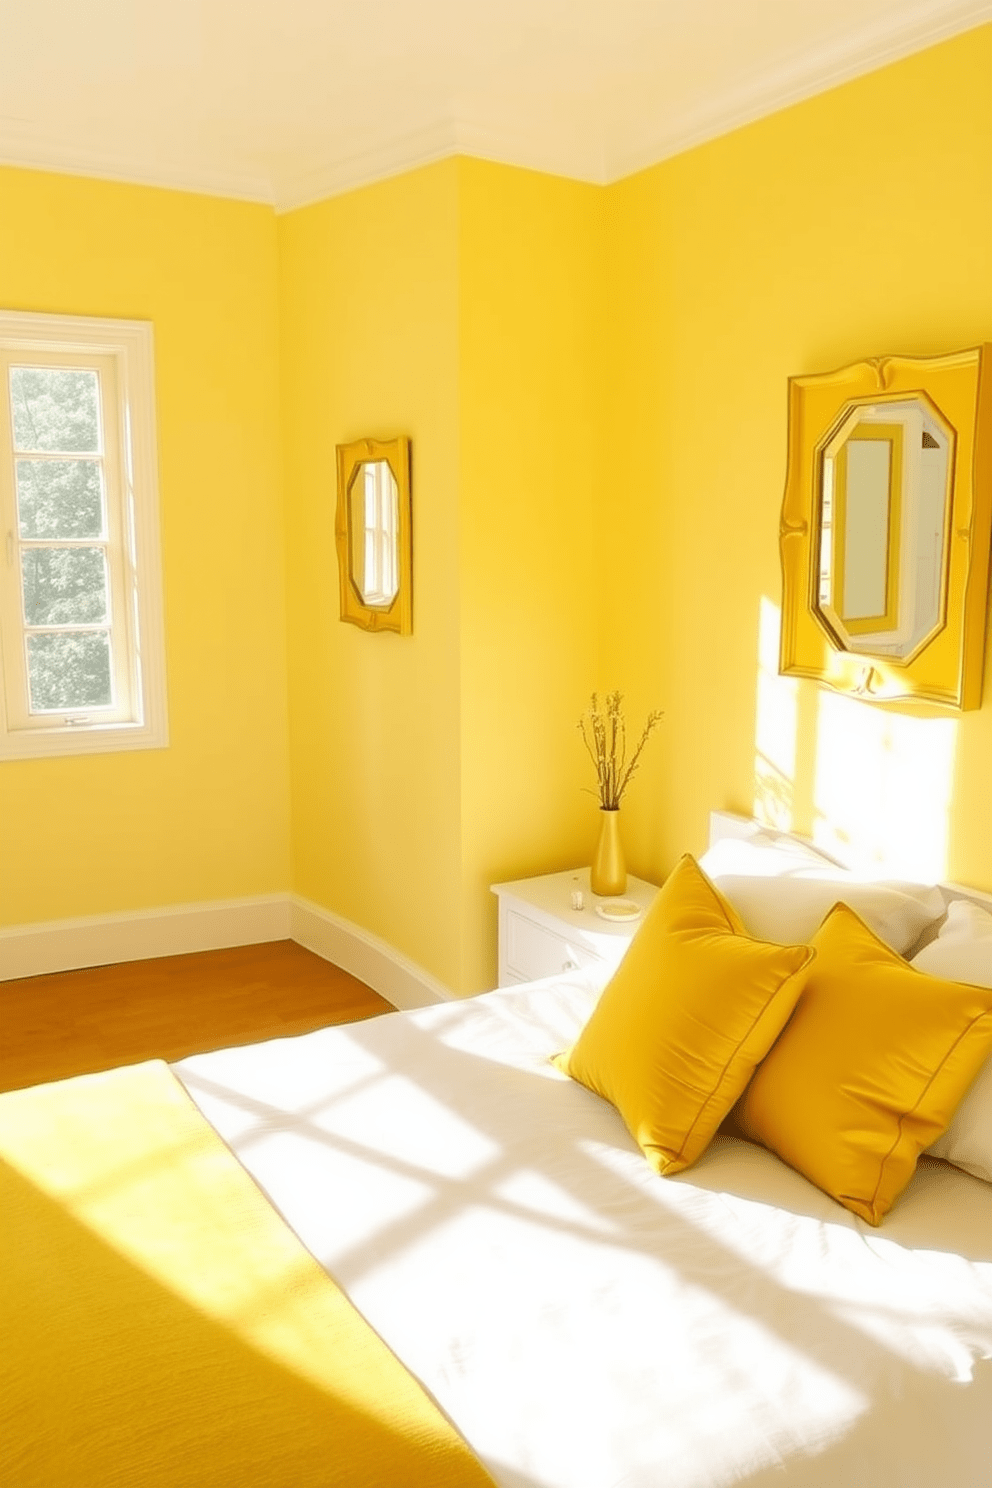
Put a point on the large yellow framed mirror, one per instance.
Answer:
(886, 526)
(373, 533)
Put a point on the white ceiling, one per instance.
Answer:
(287, 101)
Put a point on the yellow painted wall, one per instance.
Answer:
(594, 384)
(206, 818)
(369, 307)
(457, 304)
(531, 354)
(857, 223)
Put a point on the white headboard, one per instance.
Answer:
(724, 824)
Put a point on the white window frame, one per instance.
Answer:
(122, 353)
(381, 568)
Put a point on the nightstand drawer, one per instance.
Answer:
(533, 952)
(550, 924)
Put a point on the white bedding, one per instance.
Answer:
(586, 1323)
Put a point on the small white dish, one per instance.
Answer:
(620, 909)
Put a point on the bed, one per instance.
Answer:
(579, 1320)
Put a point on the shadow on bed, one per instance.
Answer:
(137, 1350)
(763, 1290)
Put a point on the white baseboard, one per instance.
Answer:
(176, 930)
(401, 981)
(141, 934)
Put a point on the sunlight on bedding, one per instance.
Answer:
(133, 1193)
(152, 1295)
(531, 1195)
(580, 1318)
(342, 1112)
(806, 1255)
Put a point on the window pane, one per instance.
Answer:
(64, 586)
(54, 409)
(60, 498)
(70, 670)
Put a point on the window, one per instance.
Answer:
(81, 641)
(380, 530)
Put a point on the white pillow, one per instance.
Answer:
(782, 890)
(963, 952)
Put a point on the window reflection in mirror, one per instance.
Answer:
(884, 498)
(374, 531)
(884, 532)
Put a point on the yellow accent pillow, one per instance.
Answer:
(695, 1004)
(869, 1071)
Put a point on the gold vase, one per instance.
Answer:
(608, 874)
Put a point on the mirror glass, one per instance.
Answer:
(373, 526)
(883, 525)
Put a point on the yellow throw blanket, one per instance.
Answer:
(160, 1325)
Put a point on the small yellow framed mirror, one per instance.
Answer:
(373, 533)
(885, 528)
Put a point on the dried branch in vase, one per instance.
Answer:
(604, 733)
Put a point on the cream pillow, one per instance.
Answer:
(782, 890)
(692, 1008)
(869, 1071)
(963, 952)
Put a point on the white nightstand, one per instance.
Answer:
(540, 934)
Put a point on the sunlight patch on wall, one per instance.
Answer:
(882, 788)
(775, 728)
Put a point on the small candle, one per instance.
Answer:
(578, 899)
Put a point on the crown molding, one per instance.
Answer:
(553, 147)
(804, 76)
(592, 160)
(340, 172)
(24, 148)
(439, 141)
(563, 152)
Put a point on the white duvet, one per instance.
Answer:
(586, 1323)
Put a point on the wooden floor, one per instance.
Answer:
(80, 1021)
